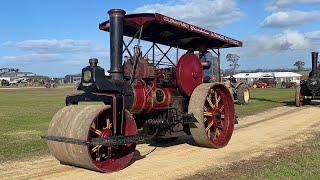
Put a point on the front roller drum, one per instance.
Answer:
(212, 105)
(86, 122)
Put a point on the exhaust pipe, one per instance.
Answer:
(314, 63)
(116, 39)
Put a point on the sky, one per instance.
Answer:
(57, 37)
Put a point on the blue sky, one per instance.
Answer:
(57, 37)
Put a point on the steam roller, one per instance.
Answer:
(164, 102)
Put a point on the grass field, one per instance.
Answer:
(300, 162)
(263, 99)
(24, 116)
(26, 112)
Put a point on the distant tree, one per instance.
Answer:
(259, 70)
(299, 65)
(233, 59)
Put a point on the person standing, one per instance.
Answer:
(206, 62)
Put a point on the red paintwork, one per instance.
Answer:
(189, 72)
(228, 112)
(163, 30)
(261, 84)
(122, 154)
(301, 99)
(145, 100)
(190, 27)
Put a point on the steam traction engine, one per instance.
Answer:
(166, 102)
(309, 89)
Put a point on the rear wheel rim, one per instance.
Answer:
(214, 114)
(212, 106)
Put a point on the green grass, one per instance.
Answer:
(25, 114)
(300, 165)
(266, 98)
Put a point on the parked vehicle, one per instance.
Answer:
(288, 84)
(261, 84)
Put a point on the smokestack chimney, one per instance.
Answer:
(314, 63)
(116, 38)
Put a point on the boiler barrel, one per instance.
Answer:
(149, 100)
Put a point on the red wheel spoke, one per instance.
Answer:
(209, 114)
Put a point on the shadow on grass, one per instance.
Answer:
(285, 103)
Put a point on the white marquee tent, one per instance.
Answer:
(278, 76)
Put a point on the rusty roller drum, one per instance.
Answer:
(212, 105)
(90, 121)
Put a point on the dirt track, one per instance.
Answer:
(257, 135)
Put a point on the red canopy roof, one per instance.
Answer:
(168, 31)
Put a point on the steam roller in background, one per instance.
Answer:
(309, 89)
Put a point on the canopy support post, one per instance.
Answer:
(177, 52)
(218, 64)
(153, 52)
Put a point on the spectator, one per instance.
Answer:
(206, 62)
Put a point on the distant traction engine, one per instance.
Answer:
(309, 89)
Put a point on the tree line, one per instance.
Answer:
(233, 60)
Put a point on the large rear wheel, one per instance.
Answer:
(243, 94)
(212, 106)
(86, 122)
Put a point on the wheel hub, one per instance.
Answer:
(105, 133)
(217, 115)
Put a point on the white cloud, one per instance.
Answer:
(288, 40)
(54, 55)
(287, 2)
(289, 18)
(29, 58)
(313, 34)
(209, 14)
(45, 46)
(280, 5)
